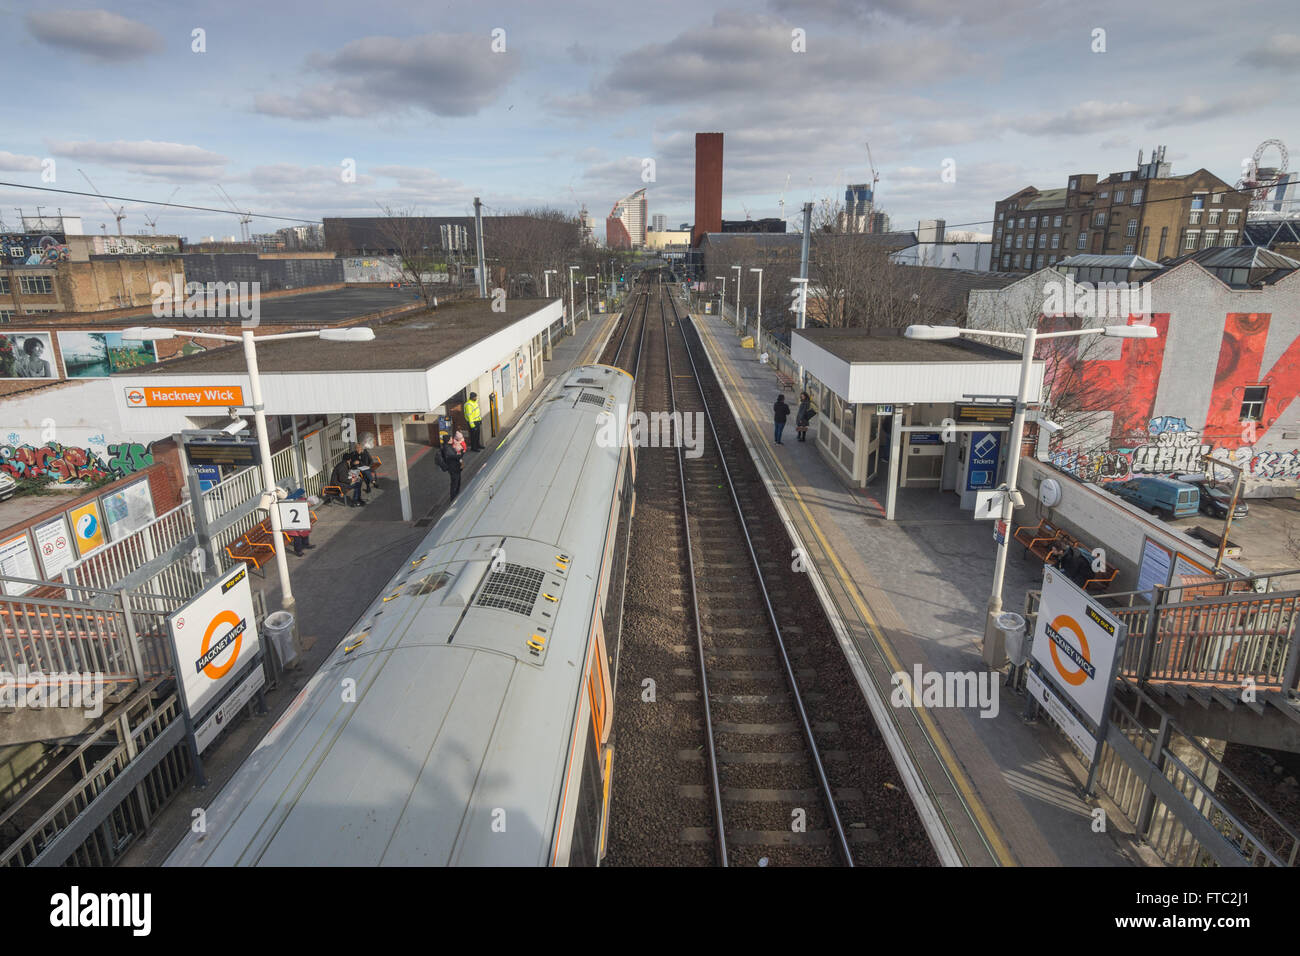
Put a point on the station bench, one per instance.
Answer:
(255, 546)
(332, 492)
(1040, 539)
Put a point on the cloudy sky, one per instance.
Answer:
(559, 103)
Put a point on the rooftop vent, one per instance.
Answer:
(512, 587)
(431, 582)
(592, 398)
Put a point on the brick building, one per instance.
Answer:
(1144, 211)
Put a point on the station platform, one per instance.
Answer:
(357, 552)
(914, 592)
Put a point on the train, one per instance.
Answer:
(465, 720)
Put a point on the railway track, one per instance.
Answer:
(756, 748)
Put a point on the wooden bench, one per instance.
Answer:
(786, 381)
(1043, 537)
(256, 545)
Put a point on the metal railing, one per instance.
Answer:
(97, 762)
(110, 633)
(118, 560)
(1227, 638)
(1171, 824)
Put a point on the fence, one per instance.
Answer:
(1165, 774)
(1164, 781)
(85, 825)
(142, 558)
(109, 633)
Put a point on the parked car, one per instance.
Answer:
(1214, 498)
(7, 486)
(1163, 497)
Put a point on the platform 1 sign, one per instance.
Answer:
(216, 647)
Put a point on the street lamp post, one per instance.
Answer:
(739, 271)
(586, 290)
(546, 278)
(758, 334)
(802, 308)
(1028, 338)
(723, 300)
(573, 303)
(259, 414)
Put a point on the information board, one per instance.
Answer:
(16, 561)
(214, 638)
(54, 545)
(1075, 644)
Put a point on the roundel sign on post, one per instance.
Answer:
(1075, 642)
(215, 638)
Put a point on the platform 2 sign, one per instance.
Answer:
(294, 515)
(216, 648)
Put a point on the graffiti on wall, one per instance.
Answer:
(56, 462)
(1170, 447)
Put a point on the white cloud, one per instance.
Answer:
(94, 33)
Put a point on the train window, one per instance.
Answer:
(586, 823)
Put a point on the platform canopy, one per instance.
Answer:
(880, 366)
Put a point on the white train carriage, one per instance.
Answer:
(466, 719)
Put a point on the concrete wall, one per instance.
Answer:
(272, 273)
(1100, 519)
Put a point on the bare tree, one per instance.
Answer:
(417, 246)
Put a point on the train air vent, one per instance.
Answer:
(431, 582)
(586, 381)
(512, 587)
(592, 398)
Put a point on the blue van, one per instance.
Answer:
(1163, 497)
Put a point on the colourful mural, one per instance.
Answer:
(1143, 441)
(60, 463)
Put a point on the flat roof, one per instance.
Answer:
(413, 342)
(889, 347)
(322, 307)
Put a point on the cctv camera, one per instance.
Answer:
(1049, 426)
(235, 427)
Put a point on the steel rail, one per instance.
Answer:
(841, 840)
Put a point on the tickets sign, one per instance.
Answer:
(184, 396)
(1075, 645)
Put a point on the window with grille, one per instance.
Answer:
(1190, 242)
(1083, 240)
(1099, 219)
(1119, 195)
(1217, 197)
(1057, 222)
(1211, 238)
(1132, 228)
(4, 285)
(1033, 222)
(1214, 217)
(35, 285)
(1056, 238)
(1194, 217)
(512, 587)
(1137, 196)
(1233, 216)
(1253, 398)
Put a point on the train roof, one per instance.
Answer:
(439, 730)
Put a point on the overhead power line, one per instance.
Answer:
(154, 202)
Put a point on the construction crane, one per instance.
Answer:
(153, 223)
(875, 176)
(118, 214)
(244, 218)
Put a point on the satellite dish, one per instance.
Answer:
(1049, 492)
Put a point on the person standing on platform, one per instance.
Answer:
(474, 418)
(803, 416)
(780, 412)
(452, 459)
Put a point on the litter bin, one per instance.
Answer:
(1012, 626)
(278, 629)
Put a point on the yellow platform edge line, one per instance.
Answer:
(959, 777)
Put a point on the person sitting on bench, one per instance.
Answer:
(347, 475)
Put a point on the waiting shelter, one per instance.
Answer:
(931, 413)
(414, 368)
